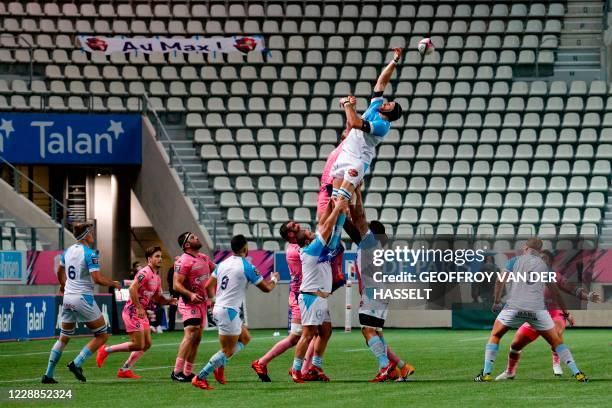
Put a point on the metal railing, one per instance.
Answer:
(175, 160)
(57, 211)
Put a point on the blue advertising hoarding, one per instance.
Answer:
(27, 317)
(55, 138)
(13, 267)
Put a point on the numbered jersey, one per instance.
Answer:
(79, 261)
(233, 276)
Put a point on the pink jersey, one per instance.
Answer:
(196, 269)
(295, 267)
(326, 177)
(150, 285)
(549, 298)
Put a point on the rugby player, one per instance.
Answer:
(191, 272)
(144, 290)
(366, 132)
(525, 303)
(78, 270)
(526, 334)
(231, 279)
(373, 313)
(316, 286)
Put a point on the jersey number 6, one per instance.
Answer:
(71, 272)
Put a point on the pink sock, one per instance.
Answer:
(307, 365)
(118, 347)
(394, 358)
(188, 368)
(178, 365)
(278, 349)
(132, 359)
(513, 359)
(555, 358)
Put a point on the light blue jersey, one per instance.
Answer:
(362, 145)
(316, 266)
(233, 276)
(79, 261)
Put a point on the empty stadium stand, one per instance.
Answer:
(494, 138)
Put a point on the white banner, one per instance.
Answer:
(108, 45)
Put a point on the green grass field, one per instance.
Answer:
(445, 362)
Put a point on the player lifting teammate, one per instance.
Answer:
(231, 279)
(191, 272)
(373, 313)
(79, 269)
(525, 303)
(315, 289)
(145, 289)
(366, 132)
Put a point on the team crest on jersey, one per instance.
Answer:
(141, 277)
(94, 260)
(177, 267)
(353, 173)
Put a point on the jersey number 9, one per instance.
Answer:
(71, 272)
(224, 282)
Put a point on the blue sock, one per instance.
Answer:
(217, 360)
(566, 356)
(490, 355)
(54, 357)
(317, 361)
(239, 346)
(297, 364)
(83, 355)
(377, 347)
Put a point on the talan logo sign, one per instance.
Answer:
(61, 140)
(6, 318)
(31, 138)
(36, 317)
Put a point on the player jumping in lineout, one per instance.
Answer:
(366, 132)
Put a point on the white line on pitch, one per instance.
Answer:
(35, 353)
(473, 339)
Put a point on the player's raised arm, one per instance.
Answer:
(353, 121)
(326, 226)
(358, 214)
(385, 75)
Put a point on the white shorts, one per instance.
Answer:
(349, 168)
(538, 319)
(374, 308)
(80, 308)
(314, 310)
(227, 320)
